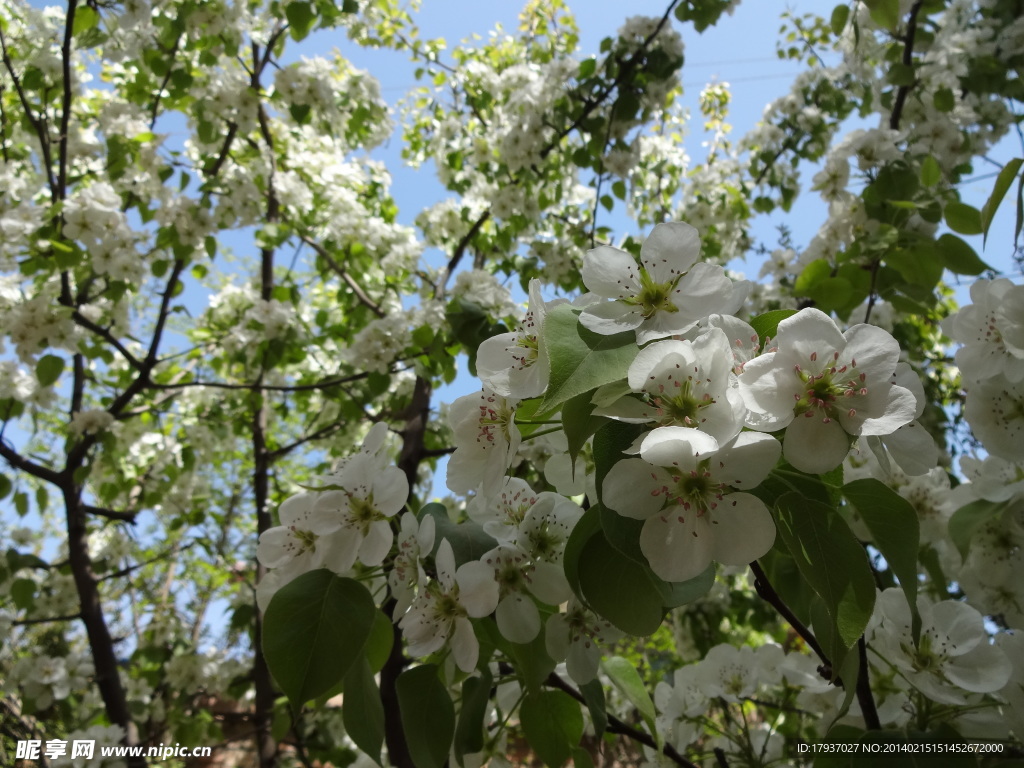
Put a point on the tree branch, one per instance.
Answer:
(357, 289)
(908, 60)
(767, 593)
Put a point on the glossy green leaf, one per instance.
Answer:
(609, 443)
(553, 724)
(963, 218)
(579, 423)
(625, 677)
(618, 588)
(469, 732)
(885, 13)
(931, 172)
(85, 19)
(314, 630)
(767, 325)
(593, 694)
(585, 527)
(895, 530)
(532, 661)
(48, 369)
(999, 189)
(832, 561)
(380, 641)
(362, 709)
(428, 715)
(957, 256)
(582, 360)
(840, 15)
(301, 19)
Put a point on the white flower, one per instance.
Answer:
(90, 422)
(440, 613)
(666, 294)
(486, 440)
(995, 411)
(415, 541)
(360, 511)
(684, 383)
(825, 386)
(735, 673)
(293, 544)
(516, 364)
(577, 637)
(954, 655)
(682, 488)
(991, 330)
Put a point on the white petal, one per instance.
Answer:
(549, 584)
(377, 544)
(465, 647)
(518, 618)
(678, 543)
(679, 447)
(744, 529)
(913, 448)
(610, 273)
(444, 561)
(628, 488)
(611, 317)
(478, 591)
(982, 670)
(747, 460)
(670, 250)
(813, 446)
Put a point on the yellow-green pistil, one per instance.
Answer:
(653, 296)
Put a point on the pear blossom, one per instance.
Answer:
(501, 514)
(825, 387)
(991, 331)
(415, 541)
(684, 383)
(995, 411)
(952, 658)
(736, 673)
(678, 707)
(577, 636)
(368, 496)
(292, 546)
(688, 491)
(516, 364)
(668, 293)
(486, 440)
(440, 613)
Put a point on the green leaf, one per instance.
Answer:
(579, 423)
(378, 644)
(944, 100)
(469, 733)
(767, 325)
(553, 724)
(963, 218)
(587, 68)
(896, 531)
(959, 257)
(834, 564)
(582, 360)
(468, 539)
(593, 694)
(840, 15)
(85, 19)
(885, 13)
(609, 443)
(23, 593)
(48, 369)
(901, 74)
(428, 715)
(585, 527)
(314, 631)
(5, 486)
(931, 172)
(1003, 182)
(618, 588)
(966, 521)
(363, 710)
(300, 18)
(625, 677)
